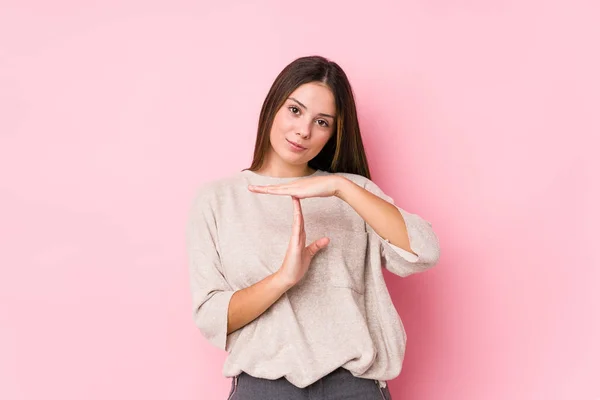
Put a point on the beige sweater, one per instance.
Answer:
(339, 315)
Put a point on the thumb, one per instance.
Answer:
(317, 245)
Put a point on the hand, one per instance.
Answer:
(298, 256)
(316, 186)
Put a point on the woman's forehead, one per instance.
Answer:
(315, 96)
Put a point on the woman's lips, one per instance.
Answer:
(296, 147)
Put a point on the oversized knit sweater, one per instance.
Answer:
(339, 315)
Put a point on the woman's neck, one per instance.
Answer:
(277, 168)
(278, 172)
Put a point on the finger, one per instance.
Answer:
(298, 224)
(257, 189)
(271, 189)
(317, 245)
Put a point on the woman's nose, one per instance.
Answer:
(303, 129)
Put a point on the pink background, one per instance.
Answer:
(481, 116)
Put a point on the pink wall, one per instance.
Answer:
(480, 115)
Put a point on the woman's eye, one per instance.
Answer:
(322, 123)
(294, 109)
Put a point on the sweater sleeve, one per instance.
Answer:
(211, 292)
(423, 241)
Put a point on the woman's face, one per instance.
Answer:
(304, 124)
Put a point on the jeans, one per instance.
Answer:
(338, 385)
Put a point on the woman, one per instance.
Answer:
(293, 289)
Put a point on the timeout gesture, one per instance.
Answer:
(298, 255)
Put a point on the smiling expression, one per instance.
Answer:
(304, 124)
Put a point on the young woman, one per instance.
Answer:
(286, 256)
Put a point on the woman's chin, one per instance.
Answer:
(293, 158)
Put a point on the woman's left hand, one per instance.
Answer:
(316, 186)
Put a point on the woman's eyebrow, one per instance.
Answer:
(303, 106)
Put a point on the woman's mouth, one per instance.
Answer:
(296, 147)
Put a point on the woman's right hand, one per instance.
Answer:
(249, 303)
(298, 256)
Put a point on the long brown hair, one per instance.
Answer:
(344, 152)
